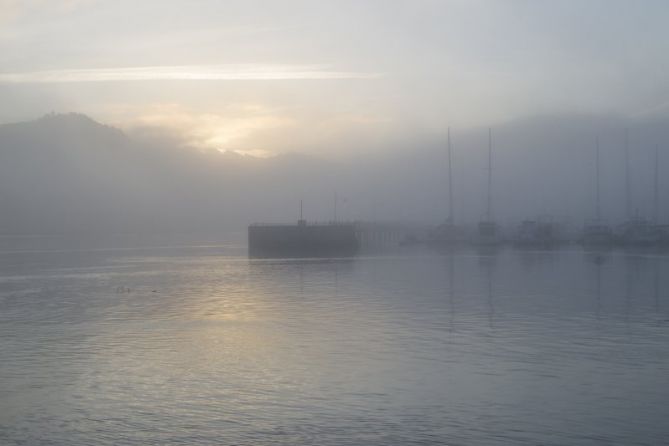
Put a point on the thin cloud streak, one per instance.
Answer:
(186, 72)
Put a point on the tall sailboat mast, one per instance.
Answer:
(597, 208)
(450, 181)
(628, 184)
(489, 208)
(656, 188)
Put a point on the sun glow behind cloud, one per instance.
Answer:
(224, 129)
(186, 72)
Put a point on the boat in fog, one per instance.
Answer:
(539, 232)
(448, 233)
(639, 232)
(488, 230)
(597, 232)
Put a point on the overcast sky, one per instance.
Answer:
(272, 76)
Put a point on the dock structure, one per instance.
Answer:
(302, 240)
(329, 239)
(380, 234)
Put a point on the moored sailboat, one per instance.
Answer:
(447, 233)
(597, 232)
(488, 230)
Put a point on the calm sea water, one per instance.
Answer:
(200, 345)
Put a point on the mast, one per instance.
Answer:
(597, 209)
(301, 210)
(450, 182)
(489, 209)
(628, 184)
(335, 207)
(656, 188)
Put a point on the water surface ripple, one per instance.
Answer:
(199, 346)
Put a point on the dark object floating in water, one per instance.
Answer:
(303, 240)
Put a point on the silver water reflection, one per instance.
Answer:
(197, 346)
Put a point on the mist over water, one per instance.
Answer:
(204, 346)
(131, 313)
(69, 174)
(334, 223)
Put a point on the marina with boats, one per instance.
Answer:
(338, 238)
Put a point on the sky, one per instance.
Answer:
(328, 77)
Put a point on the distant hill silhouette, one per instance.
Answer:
(67, 172)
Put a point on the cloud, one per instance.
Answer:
(13, 9)
(9, 10)
(186, 72)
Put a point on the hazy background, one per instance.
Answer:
(208, 115)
